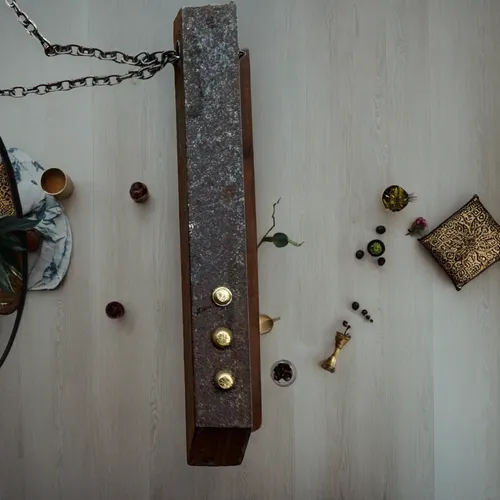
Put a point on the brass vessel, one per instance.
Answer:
(341, 339)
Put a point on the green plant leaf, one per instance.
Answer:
(10, 259)
(5, 284)
(12, 242)
(280, 240)
(10, 223)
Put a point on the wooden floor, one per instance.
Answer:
(349, 97)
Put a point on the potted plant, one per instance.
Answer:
(12, 242)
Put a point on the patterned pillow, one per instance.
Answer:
(466, 244)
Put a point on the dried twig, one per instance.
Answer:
(273, 217)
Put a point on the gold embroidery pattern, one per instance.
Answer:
(466, 244)
(8, 303)
(6, 201)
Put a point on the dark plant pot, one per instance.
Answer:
(139, 192)
(376, 248)
(115, 310)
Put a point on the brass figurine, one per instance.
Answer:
(341, 339)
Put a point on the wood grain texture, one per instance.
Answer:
(348, 97)
(251, 237)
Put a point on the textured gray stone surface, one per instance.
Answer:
(216, 211)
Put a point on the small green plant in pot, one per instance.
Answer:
(11, 243)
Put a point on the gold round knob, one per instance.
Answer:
(224, 380)
(222, 296)
(222, 337)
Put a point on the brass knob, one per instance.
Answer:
(266, 323)
(222, 337)
(139, 192)
(222, 296)
(224, 380)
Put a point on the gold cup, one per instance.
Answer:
(56, 183)
(341, 339)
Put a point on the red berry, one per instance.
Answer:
(32, 241)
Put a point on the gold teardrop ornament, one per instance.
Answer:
(266, 323)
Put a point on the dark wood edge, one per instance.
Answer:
(251, 239)
(184, 237)
(218, 447)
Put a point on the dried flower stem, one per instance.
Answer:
(273, 217)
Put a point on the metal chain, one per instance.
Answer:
(149, 63)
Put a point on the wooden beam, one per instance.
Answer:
(251, 237)
(218, 239)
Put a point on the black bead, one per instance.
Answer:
(355, 306)
(371, 321)
(345, 323)
(380, 229)
(381, 261)
(367, 317)
(360, 254)
(364, 312)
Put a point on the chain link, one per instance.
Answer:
(149, 63)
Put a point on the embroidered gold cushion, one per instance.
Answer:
(466, 244)
(8, 302)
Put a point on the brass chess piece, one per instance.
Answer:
(341, 339)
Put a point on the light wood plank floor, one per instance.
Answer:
(349, 97)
